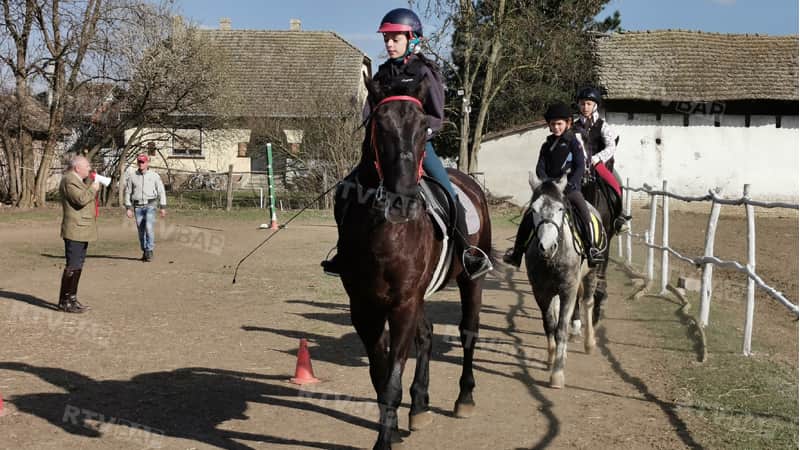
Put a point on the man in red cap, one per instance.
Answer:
(144, 192)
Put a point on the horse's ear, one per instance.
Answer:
(533, 180)
(562, 183)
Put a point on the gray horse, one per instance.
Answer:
(557, 273)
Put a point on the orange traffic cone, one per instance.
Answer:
(303, 373)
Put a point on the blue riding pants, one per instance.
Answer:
(434, 168)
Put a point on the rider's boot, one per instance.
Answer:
(331, 266)
(475, 262)
(514, 255)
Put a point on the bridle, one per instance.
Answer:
(548, 221)
(373, 139)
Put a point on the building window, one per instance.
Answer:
(717, 120)
(686, 120)
(747, 120)
(630, 116)
(187, 143)
(777, 121)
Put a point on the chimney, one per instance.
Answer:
(225, 24)
(294, 24)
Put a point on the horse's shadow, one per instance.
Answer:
(187, 403)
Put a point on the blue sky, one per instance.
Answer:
(357, 20)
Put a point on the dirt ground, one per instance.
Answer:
(174, 356)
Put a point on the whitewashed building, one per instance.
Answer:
(700, 110)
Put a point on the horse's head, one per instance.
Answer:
(397, 133)
(548, 211)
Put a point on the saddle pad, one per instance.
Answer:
(470, 211)
(597, 231)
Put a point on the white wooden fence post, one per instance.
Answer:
(751, 284)
(707, 285)
(651, 239)
(628, 248)
(664, 238)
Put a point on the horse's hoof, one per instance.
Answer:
(419, 421)
(589, 348)
(557, 380)
(397, 438)
(464, 410)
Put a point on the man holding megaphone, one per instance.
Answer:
(78, 228)
(144, 192)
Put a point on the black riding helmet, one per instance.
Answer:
(590, 93)
(558, 110)
(401, 20)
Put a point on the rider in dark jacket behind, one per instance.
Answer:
(561, 154)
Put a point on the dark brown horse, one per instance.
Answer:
(388, 250)
(601, 196)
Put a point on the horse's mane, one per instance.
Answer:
(550, 189)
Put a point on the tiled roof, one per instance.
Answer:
(697, 66)
(290, 73)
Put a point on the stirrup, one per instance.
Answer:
(482, 258)
(511, 259)
(621, 224)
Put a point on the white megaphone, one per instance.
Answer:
(105, 181)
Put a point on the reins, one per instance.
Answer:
(373, 134)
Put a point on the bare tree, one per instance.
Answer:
(494, 42)
(107, 66)
(331, 142)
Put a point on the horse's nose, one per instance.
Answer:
(542, 250)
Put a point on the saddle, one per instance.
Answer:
(441, 209)
(596, 231)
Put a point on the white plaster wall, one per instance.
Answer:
(220, 149)
(505, 163)
(692, 159)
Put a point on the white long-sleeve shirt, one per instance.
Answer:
(609, 138)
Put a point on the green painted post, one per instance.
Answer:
(271, 184)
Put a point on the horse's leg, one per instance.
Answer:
(566, 298)
(402, 329)
(471, 291)
(420, 415)
(600, 293)
(371, 328)
(550, 312)
(588, 286)
(575, 323)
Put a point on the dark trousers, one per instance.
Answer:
(75, 252)
(579, 203)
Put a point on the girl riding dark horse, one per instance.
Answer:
(388, 250)
(601, 185)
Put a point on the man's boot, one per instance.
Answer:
(148, 255)
(65, 293)
(73, 300)
(474, 260)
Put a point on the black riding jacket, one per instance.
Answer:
(415, 68)
(559, 156)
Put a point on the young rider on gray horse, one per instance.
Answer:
(402, 32)
(561, 154)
